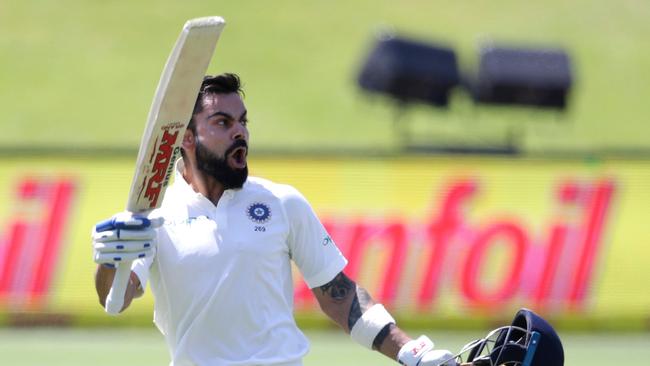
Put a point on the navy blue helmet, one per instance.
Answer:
(528, 341)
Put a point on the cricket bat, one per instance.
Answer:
(168, 117)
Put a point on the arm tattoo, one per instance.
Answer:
(379, 339)
(360, 303)
(340, 288)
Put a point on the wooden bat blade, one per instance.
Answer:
(171, 111)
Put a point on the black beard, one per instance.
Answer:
(218, 168)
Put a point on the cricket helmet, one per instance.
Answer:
(528, 341)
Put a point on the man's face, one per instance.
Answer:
(222, 139)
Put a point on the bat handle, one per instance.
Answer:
(115, 298)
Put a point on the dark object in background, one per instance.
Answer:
(410, 71)
(534, 77)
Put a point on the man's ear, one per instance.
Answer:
(189, 142)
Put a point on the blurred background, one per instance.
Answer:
(461, 175)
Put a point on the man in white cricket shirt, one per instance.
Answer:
(220, 268)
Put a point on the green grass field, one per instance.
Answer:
(144, 347)
(81, 74)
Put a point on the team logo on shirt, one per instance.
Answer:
(259, 212)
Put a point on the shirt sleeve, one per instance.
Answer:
(311, 247)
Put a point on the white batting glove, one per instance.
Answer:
(124, 238)
(420, 352)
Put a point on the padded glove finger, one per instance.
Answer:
(103, 258)
(123, 235)
(123, 246)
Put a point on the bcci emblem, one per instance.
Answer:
(259, 212)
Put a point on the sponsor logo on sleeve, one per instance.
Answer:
(327, 240)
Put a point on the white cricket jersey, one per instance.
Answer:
(221, 277)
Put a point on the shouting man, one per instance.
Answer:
(220, 266)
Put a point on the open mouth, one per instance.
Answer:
(237, 158)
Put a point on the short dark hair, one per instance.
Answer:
(225, 83)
